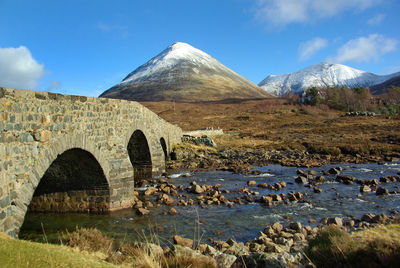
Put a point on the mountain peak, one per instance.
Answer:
(181, 45)
(184, 73)
(180, 49)
(167, 59)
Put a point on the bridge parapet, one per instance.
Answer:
(37, 127)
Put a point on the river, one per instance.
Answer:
(242, 222)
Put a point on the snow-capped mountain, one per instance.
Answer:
(323, 74)
(184, 73)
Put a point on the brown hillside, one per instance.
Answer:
(272, 124)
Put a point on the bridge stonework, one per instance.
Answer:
(37, 127)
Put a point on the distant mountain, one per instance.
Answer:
(381, 88)
(184, 73)
(323, 74)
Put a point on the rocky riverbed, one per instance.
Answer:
(276, 245)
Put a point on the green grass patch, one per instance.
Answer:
(20, 253)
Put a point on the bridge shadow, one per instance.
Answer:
(140, 156)
(164, 148)
(74, 182)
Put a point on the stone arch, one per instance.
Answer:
(46, 155)
(74, 182)
(164, 148)
(140, 155)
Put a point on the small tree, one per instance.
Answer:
(312, 96)
(393, 95)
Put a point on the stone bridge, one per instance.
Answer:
(73, 153)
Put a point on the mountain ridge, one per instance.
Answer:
(382, 87)
(323, 74)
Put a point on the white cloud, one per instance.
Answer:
(309, 48)
(283, 12)
(364, 49)
(376, 20)
(18, 69)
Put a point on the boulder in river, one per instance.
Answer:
(335, 171)
(263, 185)
(317, 190)
(197, 189)
(365, 189)
(382, 191)
(345, 179)
(301, 179)
(173, 211)
(251, 183)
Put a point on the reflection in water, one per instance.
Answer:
(242, 222)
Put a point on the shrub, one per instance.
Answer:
(91, 240)
(321, 149)
(353, 150)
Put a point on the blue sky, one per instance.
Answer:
(85, 47)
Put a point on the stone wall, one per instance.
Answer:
(92, 201)
(36, 127)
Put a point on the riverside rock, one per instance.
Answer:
(336, 221)
(224, 260)
(295, 226)
(186, 242)
(382, 218)
(277, 227)
(143, 211)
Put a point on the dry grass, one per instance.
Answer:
(376, 247)
(273, 124)
(143, 255)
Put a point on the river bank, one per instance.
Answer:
(372, 241)
(188, 156)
